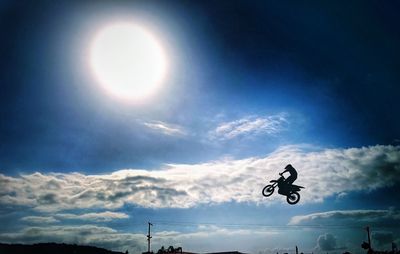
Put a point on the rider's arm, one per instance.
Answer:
(284, 171)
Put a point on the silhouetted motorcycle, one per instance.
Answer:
(290, 191)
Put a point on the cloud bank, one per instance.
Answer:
(323, 172)
(348, 218)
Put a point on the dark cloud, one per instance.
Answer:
(114, 197)
(47, 199)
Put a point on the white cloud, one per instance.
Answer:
(165, 128)
(323, 172)
(98, 217)
(251, 125)
(40, 219)
(326, 242)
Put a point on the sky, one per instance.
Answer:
(250, 87)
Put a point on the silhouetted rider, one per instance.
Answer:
(293, 174)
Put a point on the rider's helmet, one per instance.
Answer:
(289, 166)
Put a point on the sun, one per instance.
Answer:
(127, 61)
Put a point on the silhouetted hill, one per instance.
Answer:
(226, 252)
(52, 248)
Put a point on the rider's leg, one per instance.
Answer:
(290, 180)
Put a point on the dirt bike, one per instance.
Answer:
(290, 191)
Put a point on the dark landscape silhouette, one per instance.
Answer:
(52, 248)
(62, 248)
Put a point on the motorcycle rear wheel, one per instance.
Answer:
(293, 198)
(268, 190)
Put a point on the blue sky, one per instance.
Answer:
(251, 87)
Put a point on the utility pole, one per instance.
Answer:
(369, 238)
(149, 238)
(365, 245)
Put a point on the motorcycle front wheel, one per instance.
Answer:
(293, 198)
(268, 190)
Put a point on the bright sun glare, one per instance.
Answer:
(127, 61)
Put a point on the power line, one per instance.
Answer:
(263, 225)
